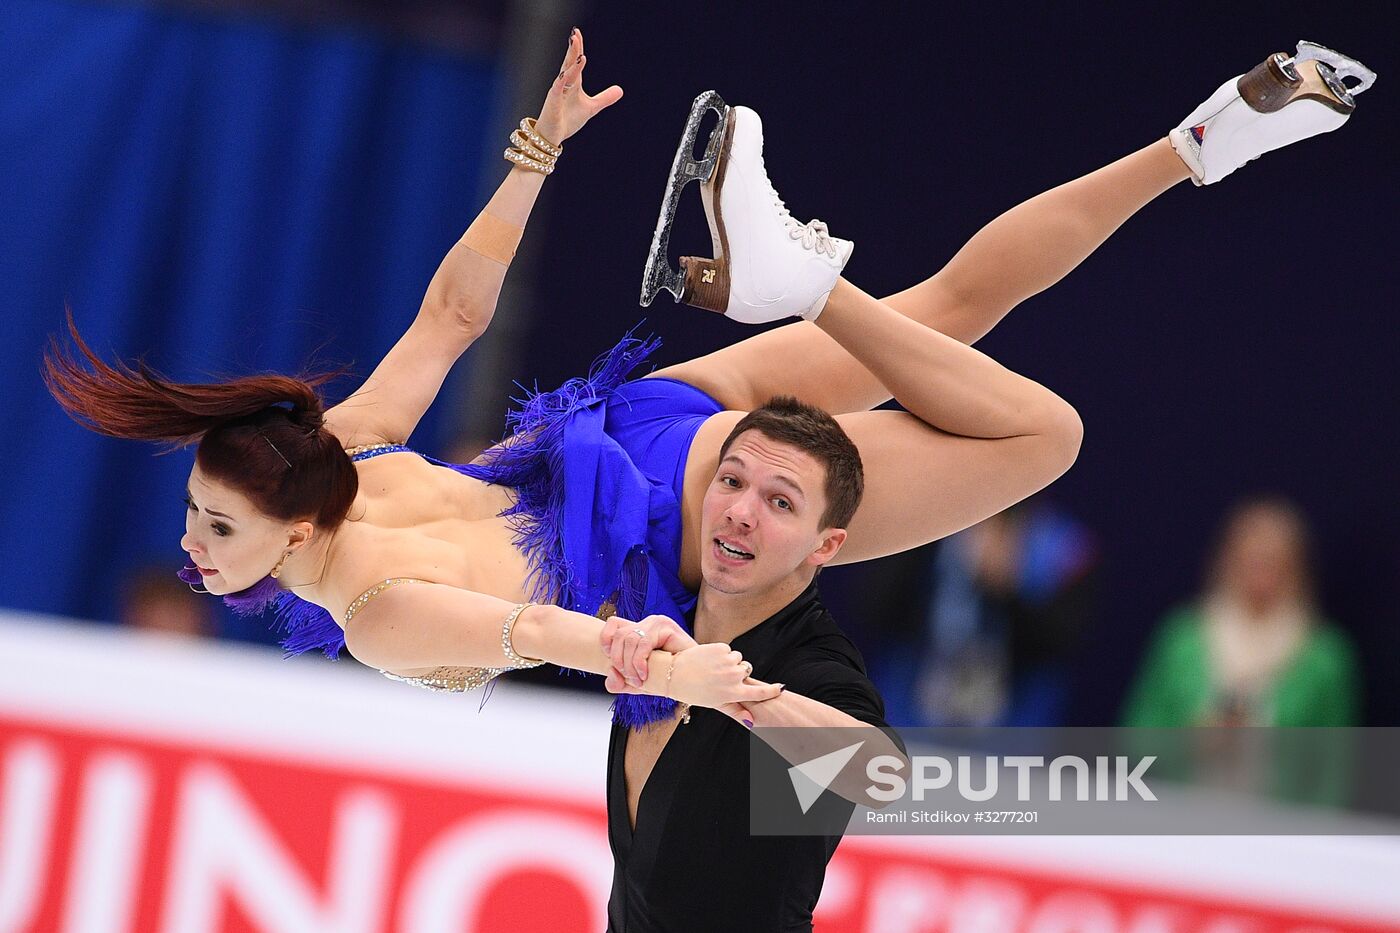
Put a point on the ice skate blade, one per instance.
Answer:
(1315, 72)
(1342, 65)
(658, 274)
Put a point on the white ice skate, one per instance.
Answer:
(767, 265)
(1283, 100)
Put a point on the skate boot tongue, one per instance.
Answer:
(778, 266)
(813, 234)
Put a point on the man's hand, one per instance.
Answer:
(627, 646)
(742, 713)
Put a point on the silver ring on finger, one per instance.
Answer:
(637, 633)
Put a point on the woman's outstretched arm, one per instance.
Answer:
(434, 625)
(467, 284)
(461, 298)
(463, 292)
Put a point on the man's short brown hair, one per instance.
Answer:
(786, 420)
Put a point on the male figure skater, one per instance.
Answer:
(788, 482)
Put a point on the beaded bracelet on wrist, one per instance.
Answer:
(508, 647)
(527, 126)
(530, 150)
(523, 146)
(524, 161)
(684, 707)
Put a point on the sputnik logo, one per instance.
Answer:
(811, 778)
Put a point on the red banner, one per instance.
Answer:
(101, 832)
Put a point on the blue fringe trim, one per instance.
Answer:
(532, 464)
(635, 710)
(632, 709)
(307, 627)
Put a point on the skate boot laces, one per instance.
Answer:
(813, 234)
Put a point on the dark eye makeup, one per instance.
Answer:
(220, 528)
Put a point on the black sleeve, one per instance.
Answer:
(842, 686)
(835, 678)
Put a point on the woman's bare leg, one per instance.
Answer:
(976, 438)
(1017, 255)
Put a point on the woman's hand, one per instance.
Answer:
(714, 675)
(628, 645)
(567, 108)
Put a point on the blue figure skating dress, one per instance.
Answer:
(598, 470)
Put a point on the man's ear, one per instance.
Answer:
(832, 539)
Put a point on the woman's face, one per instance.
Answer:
(225, 534)
(1263, 558)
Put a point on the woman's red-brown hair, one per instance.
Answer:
(281, 458)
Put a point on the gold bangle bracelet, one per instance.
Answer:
(529, 150)
(527, 126)
(523, 146)
(507, 628)
(524, 161)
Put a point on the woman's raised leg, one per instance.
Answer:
(1019, 254)
(975, 439)
(1286, 98)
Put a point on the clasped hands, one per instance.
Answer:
(711, 675)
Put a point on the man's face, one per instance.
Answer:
(761, 517)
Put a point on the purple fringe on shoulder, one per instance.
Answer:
(306, 626)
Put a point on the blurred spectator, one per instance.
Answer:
(1253, 649)
(155, 599)
(976, 628)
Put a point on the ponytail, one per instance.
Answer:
(139, 404)
(283, 459)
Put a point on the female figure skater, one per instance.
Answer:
(592, 506)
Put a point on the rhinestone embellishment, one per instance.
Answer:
(531, 150)
(524, 161)
(451, 679)
(366, 451)
(374, 591)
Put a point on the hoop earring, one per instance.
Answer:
(278, 569)
(193, 589)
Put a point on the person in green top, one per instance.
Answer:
(1254, 650)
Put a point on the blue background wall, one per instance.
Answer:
(220, 196)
